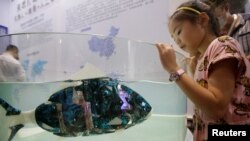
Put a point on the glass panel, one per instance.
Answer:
(57, 56)
(50, 58)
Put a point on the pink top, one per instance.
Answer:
(238, 111)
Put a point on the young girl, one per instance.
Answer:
(220, 88)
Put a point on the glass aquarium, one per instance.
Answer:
(52, 59)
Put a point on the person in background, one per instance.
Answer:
(236, 25)
(219, 88)
(10, 68)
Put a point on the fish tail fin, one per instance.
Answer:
(11, 111)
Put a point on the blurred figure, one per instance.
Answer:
(235, 25)
(238, 6)
(10, 68)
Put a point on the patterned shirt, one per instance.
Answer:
(238, 112)
(242, 32)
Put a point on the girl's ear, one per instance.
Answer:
(203, 19)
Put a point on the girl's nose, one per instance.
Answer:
(178, 41)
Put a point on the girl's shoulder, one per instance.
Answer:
(223, 45)
(225, 41)
(225, 38)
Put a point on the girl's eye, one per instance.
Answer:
(178, 32)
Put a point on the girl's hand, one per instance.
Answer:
(167, 57)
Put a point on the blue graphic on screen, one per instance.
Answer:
(38, 67)
(25, 65)
(105, 46)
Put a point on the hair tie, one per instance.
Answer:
(189, 9)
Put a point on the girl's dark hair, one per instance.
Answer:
(192, 16)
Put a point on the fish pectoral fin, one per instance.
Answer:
(14, 130)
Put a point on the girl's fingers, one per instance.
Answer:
(159, 46)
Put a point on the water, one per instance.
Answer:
(167, 123)
(157, 127)
(165, 98)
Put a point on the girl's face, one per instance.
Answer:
(188, 36)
